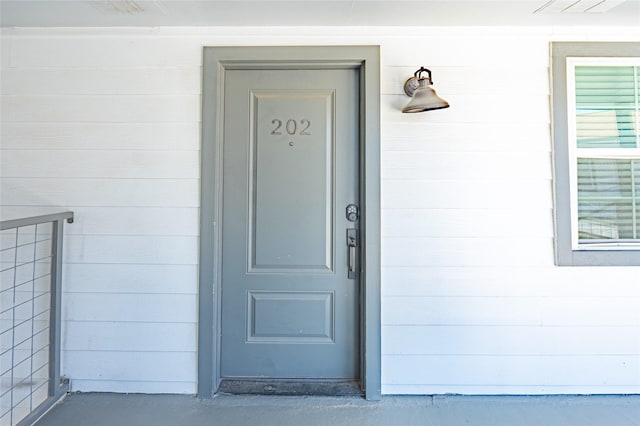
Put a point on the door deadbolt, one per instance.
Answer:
(353, 213)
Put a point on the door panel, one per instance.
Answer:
(290, 162)
(290, 317)
(291, 180)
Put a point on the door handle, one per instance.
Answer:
(352, 243)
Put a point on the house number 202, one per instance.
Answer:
(291, 127)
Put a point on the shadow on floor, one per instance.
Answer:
(105, 409)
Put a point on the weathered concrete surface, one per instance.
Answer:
(232, 410)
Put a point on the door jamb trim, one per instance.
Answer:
(216, 61)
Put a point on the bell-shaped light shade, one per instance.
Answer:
(425, 98)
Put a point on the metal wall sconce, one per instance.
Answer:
(423, 97)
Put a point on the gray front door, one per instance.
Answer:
(290, 169)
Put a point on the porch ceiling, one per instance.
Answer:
(151, 13)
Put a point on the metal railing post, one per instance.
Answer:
(56, 388)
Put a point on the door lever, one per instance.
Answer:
(352, 243)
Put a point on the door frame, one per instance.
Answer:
(216, 61)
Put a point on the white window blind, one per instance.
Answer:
(604, 139)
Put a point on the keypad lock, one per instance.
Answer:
(353, 213)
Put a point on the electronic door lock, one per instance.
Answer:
(353, 213)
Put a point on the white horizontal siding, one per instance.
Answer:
(163, 250)
(97, 278)
(100, 164)
(108, 51)
(99, 81)
(157, 366)
(101, 136)
(179, 221)
(466, 166)
(511, 339)
(473, 193)
(491, 311)
(484, 311)
(472, 51)
(509, 280)
(424, 252)
(510, 370)
(435, 137)
(501, 373)
(469, 223)
(102, 109)
(103, 192)
(128, 307)
(123, 336)
(106, 122)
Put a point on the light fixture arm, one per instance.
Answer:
(421, 70)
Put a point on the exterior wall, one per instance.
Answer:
(106, 122)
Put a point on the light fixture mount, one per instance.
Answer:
(413, 83)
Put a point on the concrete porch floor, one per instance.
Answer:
(98, 409)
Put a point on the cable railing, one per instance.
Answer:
(30, 316)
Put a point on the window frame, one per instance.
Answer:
(567, 251)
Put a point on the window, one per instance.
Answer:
(596, 137)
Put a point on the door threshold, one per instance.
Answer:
(292, 387)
